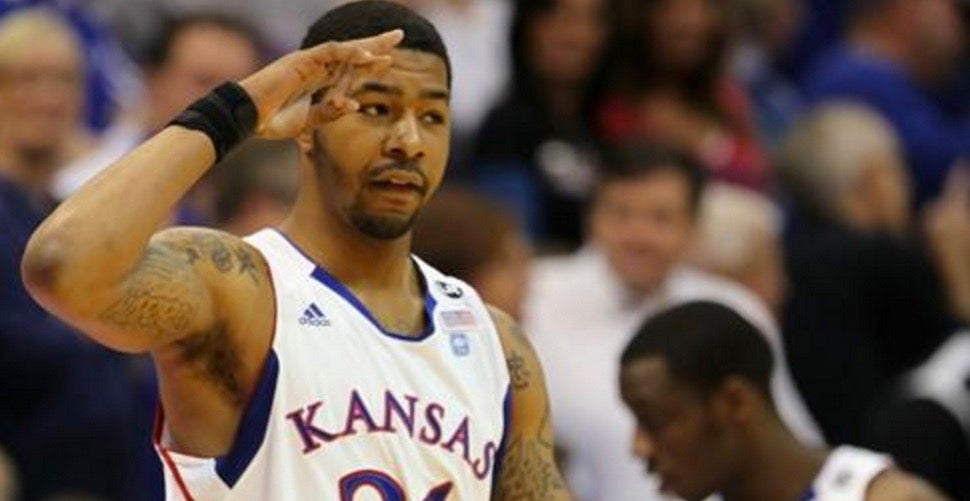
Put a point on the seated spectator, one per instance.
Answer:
(696, 377)
(111, 79)
(865, 303)
(63, 416)
(583, 308)
(534, 150)
(739, 238)
(896, 55)
(469, 236)
(669, 85)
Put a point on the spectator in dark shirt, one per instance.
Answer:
(896, 56)
(62, 419)
(865, 303)
(534, 150)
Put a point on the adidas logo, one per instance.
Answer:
(314, 316)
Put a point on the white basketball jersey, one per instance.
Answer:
(847, 473)
(345, 410)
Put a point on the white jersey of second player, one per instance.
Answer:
(847, 474)
(346, 410)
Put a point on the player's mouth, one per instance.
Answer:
(399, 181)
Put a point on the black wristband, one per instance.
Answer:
(227, 115)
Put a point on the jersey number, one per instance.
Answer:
(387, 487)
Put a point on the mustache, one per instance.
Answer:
(408, 167)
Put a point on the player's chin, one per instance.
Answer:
(384, 226)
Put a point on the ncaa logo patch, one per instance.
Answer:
(459, 344)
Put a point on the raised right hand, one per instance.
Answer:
(282, 90)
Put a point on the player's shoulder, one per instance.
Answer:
(894, 484)
(195, 237)
(510, 333)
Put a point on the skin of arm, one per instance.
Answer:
(896, 485)
(529, 471)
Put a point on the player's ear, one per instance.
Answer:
(738, 400)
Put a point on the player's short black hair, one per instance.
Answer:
(637, 159)
(703, 343)
(367, 18)
(159, 48)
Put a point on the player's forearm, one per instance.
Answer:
(99, 234)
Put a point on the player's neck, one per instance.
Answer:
(355, 259)
(777, 467)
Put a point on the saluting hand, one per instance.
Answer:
(282, 90)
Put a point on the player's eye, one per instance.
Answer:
(433, 117)
(375, 109)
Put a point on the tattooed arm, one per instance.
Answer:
(172, 293)
(529, 471)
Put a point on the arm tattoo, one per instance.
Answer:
(529, 472)
(246, 264)
(157, 298)
(217, 251)
(518, 372)
(163, 294)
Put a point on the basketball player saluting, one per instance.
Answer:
(319, 360)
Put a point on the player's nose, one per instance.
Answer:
(405, 141)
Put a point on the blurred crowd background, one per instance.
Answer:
(806, 162)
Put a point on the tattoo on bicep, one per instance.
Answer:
(246, 264)
(217, 251)
(160, 297)
(518, 371)
(529, 471)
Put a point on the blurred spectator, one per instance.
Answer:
(696, 377)
(820, 29)
(669, 85)
(192, 54)
(534, 150)
(865, 303)
(925, 423)
(897, 57)
(111, 79)
(761, 31)
(255, 186)
(582, 309)
(475, 239)
(63, 416)
(739, 238)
